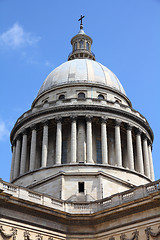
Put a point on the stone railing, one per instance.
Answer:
(77, 207)
(86, 101)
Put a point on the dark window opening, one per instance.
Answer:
(81, 95)
(87, 45)
(81, 187)
(100, 96)
(64, 152)
(81, 44)
(61, 97)
(99, 151)
(75, 46)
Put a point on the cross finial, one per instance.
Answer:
(81, 26)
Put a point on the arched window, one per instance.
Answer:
(75, 46)
(81, 43)
(61, 97)
(87, 45)
(81, 95)
(100, 96)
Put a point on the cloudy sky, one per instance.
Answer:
(35, 38)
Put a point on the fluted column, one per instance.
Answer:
(81, 141)
(13, 161)
(118, 150)
(130, 147)
(23, 152)
(45, 144)
(59, 142)
(151, 161)
(146, 157)
(73, 139)
(33, 148)
(17, 157)
(104, 144)
(140, 165)
(89, 140)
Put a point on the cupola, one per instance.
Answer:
(81, 45)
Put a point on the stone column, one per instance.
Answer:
(130, 147)
(17, 157)
(73, 139)
(151, 161)
(140, 165)
(146, 157)
(13, 160)
(45, 144)
(118, 150)
(59, 142)
(33, 148)
(89, 140)
(104, 144)
(24, 152)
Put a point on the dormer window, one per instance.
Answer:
(81, 95)
(87, 46)
(100, 96)
(81, 43)
(61, 97)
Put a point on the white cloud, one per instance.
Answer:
(4, 132)
(16, 37)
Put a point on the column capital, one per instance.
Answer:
(58, 119)
(33, 127)
(73, 118)
(129, 126)
(138, 131)
(45, 122)
(144, 136)
(149, 142)
(14, 143)
(89, 118)
(18, 137)
(25, 131)
(104, 119)
(117, 122)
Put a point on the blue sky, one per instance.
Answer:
(35, 38)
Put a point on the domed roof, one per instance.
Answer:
(81, 71)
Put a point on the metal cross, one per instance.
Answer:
(81, 19)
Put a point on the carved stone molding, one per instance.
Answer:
(50, 238)
(111, 238)
(134, 236)
(149, 233)
(8, 236)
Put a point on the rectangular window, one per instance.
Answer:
(98, 151)
(81, 187)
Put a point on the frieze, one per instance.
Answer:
(149, 233)
(8, 236)
(134, 236)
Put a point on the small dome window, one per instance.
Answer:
(61, 97)
(100, 96)
(75, 46)
(81, 95)
(87, 45)
(81, 44)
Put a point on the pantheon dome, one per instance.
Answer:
(81, 140)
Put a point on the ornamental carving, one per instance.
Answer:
(50, 238)
(112, 238)
(134, 236)
(26, 235)
(8, 236)
(153, 235)
(39, 237)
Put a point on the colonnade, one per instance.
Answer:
(140, 160)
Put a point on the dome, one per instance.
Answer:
(82, 71)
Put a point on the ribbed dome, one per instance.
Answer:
(81, 71)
